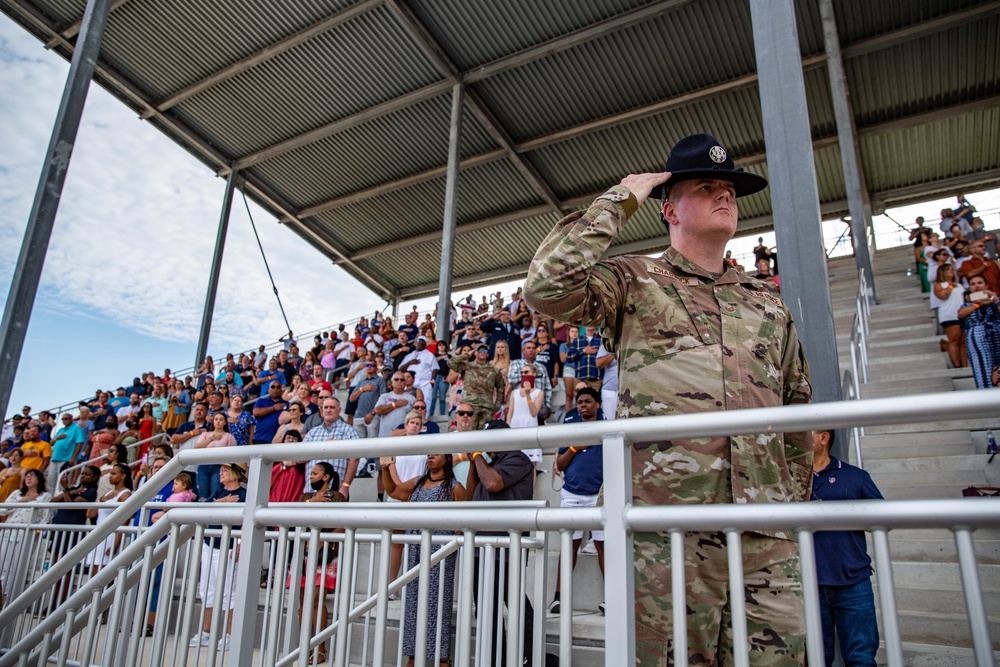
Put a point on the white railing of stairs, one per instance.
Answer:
(850, 389)
(122, 587)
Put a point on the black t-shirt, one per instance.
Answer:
(404, 350)
(215, 542)
(548, 357)
(288, 369)
(87, 494)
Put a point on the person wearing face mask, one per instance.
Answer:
(979, 233)
(324, 482)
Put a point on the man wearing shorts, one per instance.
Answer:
(583, 475)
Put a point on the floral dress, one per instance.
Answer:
(240, 428)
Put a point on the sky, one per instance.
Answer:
(124, 281)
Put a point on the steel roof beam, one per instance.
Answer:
(912, 120)
(268, 52)
(581, 36)
(433, 51)
(662, 106)
(74, 29)
(347, 122)
(413, 179)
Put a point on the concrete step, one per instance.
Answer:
(971, 424)
(911, 466)
(935, 545)
(889, 388)
(938, 628)
(921, 654)
(905, 491)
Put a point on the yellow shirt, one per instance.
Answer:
(42, 448)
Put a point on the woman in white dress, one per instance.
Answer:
(523, 406)
(121, 488)
(32, 491)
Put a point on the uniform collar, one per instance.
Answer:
(731, 276)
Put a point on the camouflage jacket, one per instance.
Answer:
(484, 384)
(686, 341)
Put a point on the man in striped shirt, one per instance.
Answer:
(332, 428)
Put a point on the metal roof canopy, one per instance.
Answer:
(336, 114)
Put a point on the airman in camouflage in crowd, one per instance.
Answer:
(484, 384)
(693, 335)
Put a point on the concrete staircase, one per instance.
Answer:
(931, 460)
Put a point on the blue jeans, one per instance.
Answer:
(440, 398)
(851, 611)
(208, 480)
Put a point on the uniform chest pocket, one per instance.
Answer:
(671, 320)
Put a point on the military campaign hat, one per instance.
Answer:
(702, 156)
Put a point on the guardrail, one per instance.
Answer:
(127, 577)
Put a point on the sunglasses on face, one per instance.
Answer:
(419, 407)
(464, 413)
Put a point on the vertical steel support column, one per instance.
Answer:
(619, 579)
(805, 282)
(249, 565)
(450, 209)
(857, 194)
(213, 276)
(28, 272)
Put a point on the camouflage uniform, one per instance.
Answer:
(483, 387)
(689, 341)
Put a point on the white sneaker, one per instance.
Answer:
(224, 643)
(200, 639)
(589, 548)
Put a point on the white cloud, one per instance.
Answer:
(136, 227)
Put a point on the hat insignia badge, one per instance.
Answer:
(717, 154)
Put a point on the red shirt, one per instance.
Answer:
(321, 384)
(992, 272)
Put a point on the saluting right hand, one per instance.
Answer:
(642, 184)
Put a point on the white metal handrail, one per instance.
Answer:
(619, 520)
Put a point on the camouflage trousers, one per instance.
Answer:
(483, 415)
(773, 593)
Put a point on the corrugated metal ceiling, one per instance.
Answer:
(923, 76)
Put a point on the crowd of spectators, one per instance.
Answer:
(957, 266)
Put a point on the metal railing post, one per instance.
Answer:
(619, 580)
(251, 550)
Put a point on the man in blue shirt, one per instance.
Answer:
(268, 410)
(499, 328)
(583, 475)
(846, 602)
(66, 446)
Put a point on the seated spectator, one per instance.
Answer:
(583, 475)
(980, 320)
(428, 426)
(116, 454)
(529, 355)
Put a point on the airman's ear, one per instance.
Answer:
(668, 213)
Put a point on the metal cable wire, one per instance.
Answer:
(266, 266)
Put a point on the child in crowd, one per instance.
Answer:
(183, 485)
